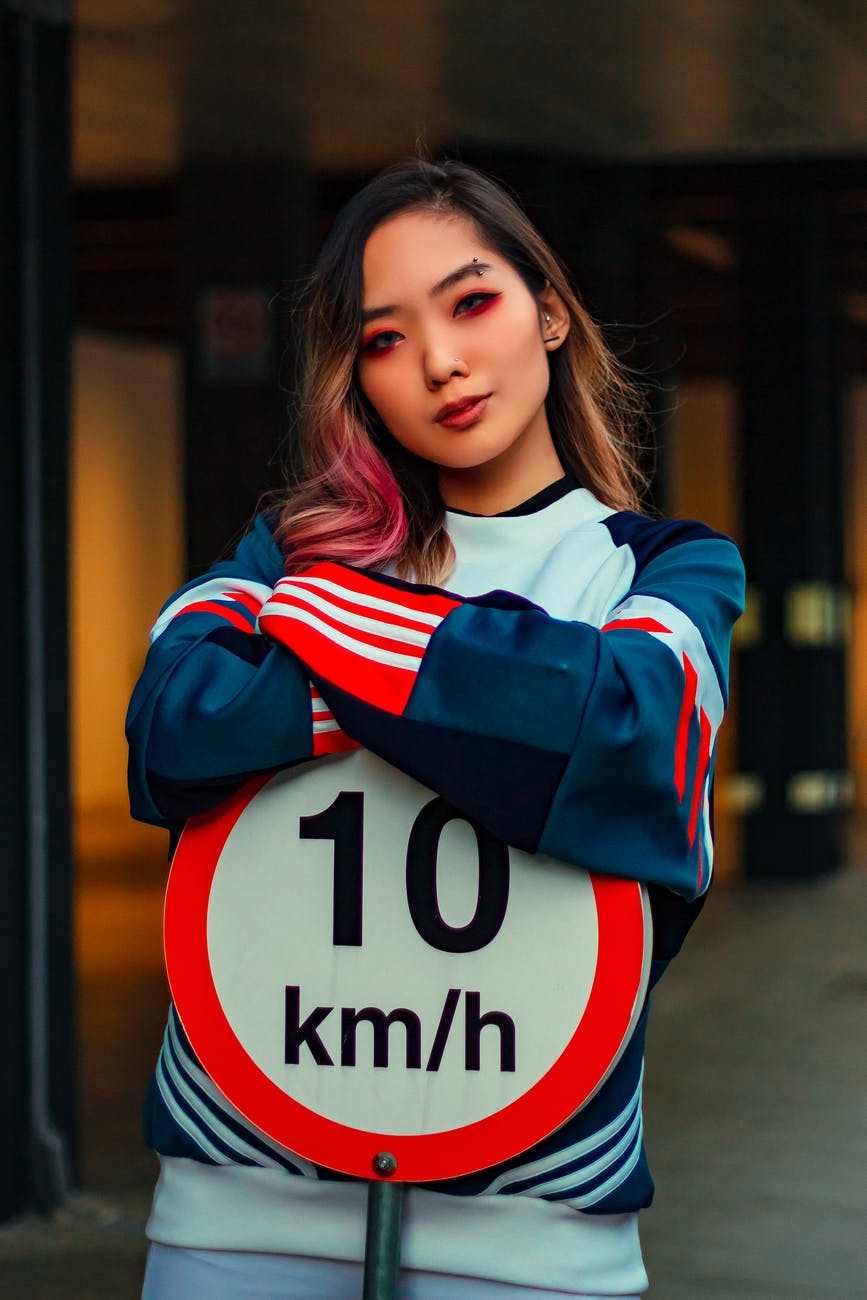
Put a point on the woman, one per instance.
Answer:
(464, 431)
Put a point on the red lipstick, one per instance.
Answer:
(460, 415)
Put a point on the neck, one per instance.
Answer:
(499, 485)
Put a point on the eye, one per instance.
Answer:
(473, 304)
(379, 344)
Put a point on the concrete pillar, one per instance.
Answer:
(793, 757)
(37, 1081)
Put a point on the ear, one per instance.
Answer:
(554, 319)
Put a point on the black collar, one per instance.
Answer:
(548, 495)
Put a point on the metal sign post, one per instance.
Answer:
(382, 1243)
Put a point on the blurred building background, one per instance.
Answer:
(167, 170)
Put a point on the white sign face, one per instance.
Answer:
(360, 968)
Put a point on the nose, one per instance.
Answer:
(440, 366)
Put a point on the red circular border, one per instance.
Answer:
(567, 1085)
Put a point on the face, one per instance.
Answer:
(453, 358)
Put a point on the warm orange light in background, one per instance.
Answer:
(126, 557)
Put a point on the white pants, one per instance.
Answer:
(176, 1274)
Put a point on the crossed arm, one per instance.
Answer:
(593, 745)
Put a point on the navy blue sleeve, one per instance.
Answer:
(592, 745)
(216, 701)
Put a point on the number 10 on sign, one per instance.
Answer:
(343, 823)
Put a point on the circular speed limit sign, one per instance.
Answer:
(361, 969)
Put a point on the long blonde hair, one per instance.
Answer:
(358, 495)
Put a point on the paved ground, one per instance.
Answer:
(755, 1103)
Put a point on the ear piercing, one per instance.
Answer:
(554, 337)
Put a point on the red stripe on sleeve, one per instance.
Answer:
(385, 686)
(422, 601)
(297, 588)
(245, 598)
(332, 742)
(317, 705)
(385, 640)
(701, 773)
(637, 625)
(224, 611)
(687, 706)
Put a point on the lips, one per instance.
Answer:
(458, 415)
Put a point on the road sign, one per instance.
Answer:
(360, 969)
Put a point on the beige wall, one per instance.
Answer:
(703, 481)
(126, 541)
(704, 473)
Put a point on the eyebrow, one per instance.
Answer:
(447, 282)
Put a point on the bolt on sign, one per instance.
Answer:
(361, 968)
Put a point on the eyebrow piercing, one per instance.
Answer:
(475, 259)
